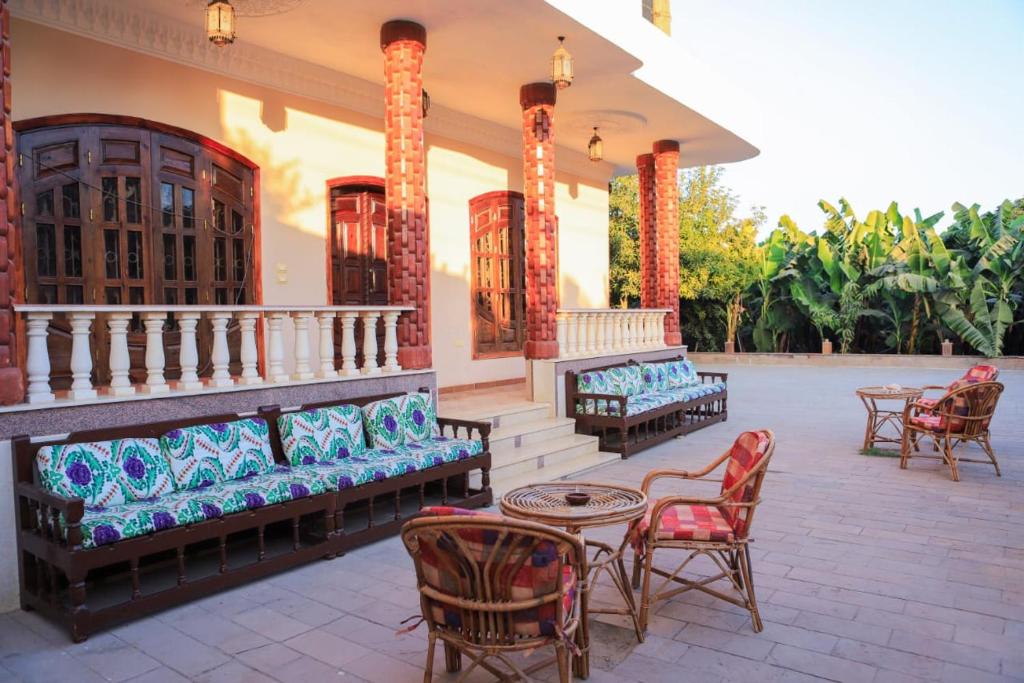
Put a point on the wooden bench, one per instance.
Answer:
(632, 406)
(89, 562)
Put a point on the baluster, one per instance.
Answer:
(154, 324)
(220, 356)
(561, 334)
(37, 362)
(652, 330)
(391, 341)
(572, 338)
(248, 353)
(325, 319)
(609, 342)
(188, 354)
(348, 343)
(591, 333)
(599, 340)
(617, 331)
(261, 547)
(81, 357)
(120, 362)
(133, 568)
(659, 329)
(275, 352)
(643, 331)
(370, 342)
(301, 321)
(181, 565)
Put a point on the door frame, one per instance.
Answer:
(352, 182)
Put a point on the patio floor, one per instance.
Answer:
(864, 573)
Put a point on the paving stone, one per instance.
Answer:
(113, 658)
(818, 664)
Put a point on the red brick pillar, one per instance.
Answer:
(666, 190)
(538, 103)
(405, 188)
(12, 389)
(648, 232)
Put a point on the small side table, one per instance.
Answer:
(878, 418)
(609, 504)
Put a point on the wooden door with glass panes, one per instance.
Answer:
(358, 243)
(125, 214)
(497, 265)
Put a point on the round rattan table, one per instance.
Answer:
(609, 504)
(878, 418)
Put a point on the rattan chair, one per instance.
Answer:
(718, 528)
(962, 415)
(491, 586)
(977, 373)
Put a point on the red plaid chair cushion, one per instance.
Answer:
(540, 573)
(747, 452)
(928, 403)
(982, 373)
(932, 423)
(448, 511)
(686, 523)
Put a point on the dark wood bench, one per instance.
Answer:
(90, 588)
(609, 415)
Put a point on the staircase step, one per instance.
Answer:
(502, 484)
(503, 415)
(551, 450)
(531, 432)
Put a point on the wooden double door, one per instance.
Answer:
(128, 212)
(358, 255)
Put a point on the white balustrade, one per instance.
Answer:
(607, 331)
(211, 326)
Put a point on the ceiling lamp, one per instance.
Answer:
(561, 66)
(220, 22)
(595, 148)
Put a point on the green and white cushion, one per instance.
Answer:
(310, 436)
(625, 380)
(594, 382)
(105, 472)
(207, 454)
(440, 450)
(107, 524)
(642, 404)
(392, 422)
(681, 373)
(655, 376)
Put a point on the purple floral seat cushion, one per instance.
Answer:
(108, 524)
(309, 436)
(655, 377)
(105, 472)
(212, 453)
(439, 450)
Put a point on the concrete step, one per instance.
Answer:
(549, 451)
(522, 434)
(551, 472)
(502, 415)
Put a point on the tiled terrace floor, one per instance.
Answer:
(864, 573)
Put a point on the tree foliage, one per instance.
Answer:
(886, 283)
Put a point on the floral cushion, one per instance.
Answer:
(655, 376)
(309, 436)
(690, 393)
(439, 450)
(106, 524)
(681, 373)
(625, 380)
(685, 523)
(211, 453)
(393, 421)
(594, 382)
(640, 404)
(105, 472)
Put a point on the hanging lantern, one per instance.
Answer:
(426, 102)
(220, 22)
(595, 148)
(561, 66)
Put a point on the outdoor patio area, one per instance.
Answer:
(864, 572)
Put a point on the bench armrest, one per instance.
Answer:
(712, 375)
(43, 513)
(483, 429)
(588, 403)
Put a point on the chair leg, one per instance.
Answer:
(947, 452)
(562, 655)
(452, 658)
(987, 447)
(748, 581)
(905, 445)
(638, 560)
(645, 592)
(428, 671)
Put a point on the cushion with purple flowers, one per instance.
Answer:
(655, 376)
(308, 436)
(640, 404)
(105, 472)
(681, 373)
(383, 423)
(107, 524)
(207, 454)
(439, 450)
(594, 382)
(418, 416)
(625, 380)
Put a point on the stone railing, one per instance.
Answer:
(86, 323)
(605, 331)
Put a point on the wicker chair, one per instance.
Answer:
(491, 586)
(718, 528)
(962, 415)
(978, 373)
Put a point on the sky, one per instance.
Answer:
(921, 102)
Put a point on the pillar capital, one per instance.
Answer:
(644, 161)
(402, 29)
(662, 146)
(533, 94)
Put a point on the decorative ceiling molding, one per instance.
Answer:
(122, 25)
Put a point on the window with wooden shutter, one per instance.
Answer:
(497, 273)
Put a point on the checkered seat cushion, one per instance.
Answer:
(687, 523)
(978, 373)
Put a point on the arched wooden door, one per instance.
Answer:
(358, 250)
(126, 211)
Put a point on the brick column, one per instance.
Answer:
(647, 231)
(405, 188)
(12, 388)
(538, 103)
(666, 190)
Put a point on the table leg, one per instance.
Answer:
(869, 431)
(581, 662)
(616, 568)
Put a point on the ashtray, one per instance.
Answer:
(577, 498)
